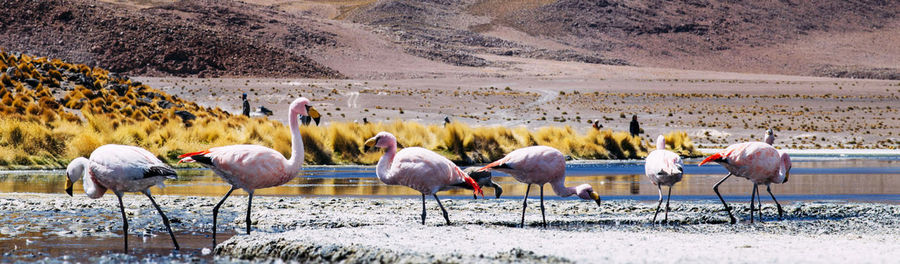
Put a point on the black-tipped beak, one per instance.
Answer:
(69, 185)
(370, 143)
(313, 114)
(497, 191)
(596, 198)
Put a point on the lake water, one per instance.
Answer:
(855, 178)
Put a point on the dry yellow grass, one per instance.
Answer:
(38, 130)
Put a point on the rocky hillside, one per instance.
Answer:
(205, 38)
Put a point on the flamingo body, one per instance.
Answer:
(120, 169)
(663, 167)
(252, 167)
(758, 162)
(540, 165)
(419, 169)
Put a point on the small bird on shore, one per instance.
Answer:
(758, 162)
(419, 169)
(770, 137)
(541, 165)
(663, 167)
(252, 167)
(120, 169)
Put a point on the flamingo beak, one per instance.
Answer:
(313, 113)
(786, 176)
(370, 144)
(596, 197)
(69, 185)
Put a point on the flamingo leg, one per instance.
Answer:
(780, 211)
(216, 212)
(543, 216)
(446, 217)
(758, 203)
(659, 205)
(423, 208)
(124, 222)
(668, 198)
(752, 197)
(727, 208)
(249, 204)
(525, 205)
(164, 218)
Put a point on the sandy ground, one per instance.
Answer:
(356, 230)
(715, 108)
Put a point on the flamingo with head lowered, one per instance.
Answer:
(252, 167)
(420, 169)
(120, 169)
(541, 165)
(756, 161)
(663, 167)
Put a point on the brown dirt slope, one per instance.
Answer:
(206, 38)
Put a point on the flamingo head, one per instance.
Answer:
(303, 108)
(381, 140)
(74, 172)
(784, 169)
(585, 191)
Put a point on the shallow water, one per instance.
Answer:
(856, 178)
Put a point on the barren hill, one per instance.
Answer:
(393, 38)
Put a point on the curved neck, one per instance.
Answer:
(296, 143)
(560, 188)
(384, 164)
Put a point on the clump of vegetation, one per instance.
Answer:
(54, 112)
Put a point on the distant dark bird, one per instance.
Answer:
(261, 111)
(446, 120)
(635, 127)
(597, 125)
(246, 106)
(365, 121)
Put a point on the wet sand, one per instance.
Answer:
(356, 230)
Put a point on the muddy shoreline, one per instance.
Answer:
(356, 230)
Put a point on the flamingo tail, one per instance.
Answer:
(187, 157)
(470, 181)
(497, 163)
(713, 157)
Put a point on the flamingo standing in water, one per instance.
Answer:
(758, 162)
(541, 165)
(663, 167)
(252, 167)
(420, 169)
(120, 169)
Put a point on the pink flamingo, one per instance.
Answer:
(252, 167)
(758, 162)
(420, 169)
(540, 165)
(120, 169)
(663, 167)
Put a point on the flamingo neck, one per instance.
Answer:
(296, 160)
(560, 189)
(91, 188)
(384, 164)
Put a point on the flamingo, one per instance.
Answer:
(120, 169)
(419, 169)
(758, 162)
(540, 165)
(663, 167)
(770, 136)
(252, 167)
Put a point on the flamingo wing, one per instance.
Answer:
(245, 166)
(426, 171)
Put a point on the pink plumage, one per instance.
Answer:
(541, 165)
(252, 167)
(756, 161)
(419, 169)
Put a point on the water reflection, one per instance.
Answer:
(808, 177)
